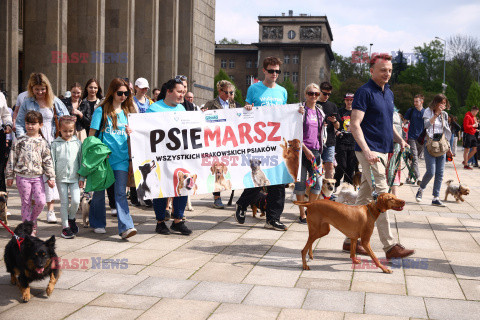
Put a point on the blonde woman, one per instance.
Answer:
(41, 98)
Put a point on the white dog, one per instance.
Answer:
(347, 194)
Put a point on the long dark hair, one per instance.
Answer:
(169, 85)
(438, 99)
(85, 91)
(107, 104)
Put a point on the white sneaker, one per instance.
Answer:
(129, 233)
(99, 230)
(113, 212)
(51, 217)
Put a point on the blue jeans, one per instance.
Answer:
(97, 214)
(435, 166)
(65, 211)
(160, 205)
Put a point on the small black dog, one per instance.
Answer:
(34, 260)
(260, 203)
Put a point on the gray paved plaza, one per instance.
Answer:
(229, 271)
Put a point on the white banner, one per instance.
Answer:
(186, 153)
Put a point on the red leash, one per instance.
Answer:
(19, 239)
(456, 170)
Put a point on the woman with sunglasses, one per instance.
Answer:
(314, 137)
(110, 118)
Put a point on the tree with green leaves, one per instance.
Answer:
(473, 98)
(226, 41)
(222, 75)
(399, 64)
(291, 91)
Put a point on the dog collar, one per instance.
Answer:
(325, 197)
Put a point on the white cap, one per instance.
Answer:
(142, 83)
(68, 94)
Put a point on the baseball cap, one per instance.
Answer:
(68, 94)
(348, 96)
(142, 83)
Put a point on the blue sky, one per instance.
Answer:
(388, 25)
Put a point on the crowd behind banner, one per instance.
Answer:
(78, 145)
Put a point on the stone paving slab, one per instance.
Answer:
(106, 313)
(395, 305)
(229, 311)
(347, 301)
(276, 297)
(167, 309)
(452, 309)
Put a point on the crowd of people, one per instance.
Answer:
(49, 134)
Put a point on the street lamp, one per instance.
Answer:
(370, 55)
(444, 85)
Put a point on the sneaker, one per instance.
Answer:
(302, 221)
(467, 168)
(419, 195)
(181, 227)
(419, 182)
(67, 233)
(113, 212)
(399, 251)
(99, 230)
(51, 217)
(276, 225)
(168, 215)
(162, 228)
(135, 203)
(128, 233)
(437, 202)
(240, 215)
(8, 213)
(217, 203)
(73, 226)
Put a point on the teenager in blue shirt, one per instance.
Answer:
(111, 119)
(415, 116)
(266, 93)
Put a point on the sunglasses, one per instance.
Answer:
(311, 93)
(229, 92)
(121, 93)
(181, 77)
(326, 93)
(271, 71)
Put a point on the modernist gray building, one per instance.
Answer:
(74, 40)
(303, 43)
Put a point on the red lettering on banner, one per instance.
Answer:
(276, 127)
(211, 135)
(244, 132)
(229, 135)
(261, 134)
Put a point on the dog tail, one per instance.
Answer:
(302, 203)
(448, 182)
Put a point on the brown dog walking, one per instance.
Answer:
(353, 221)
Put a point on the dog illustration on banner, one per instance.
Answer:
(291, 154)
(258, 176)
(150, 183)
(184, 182)
(219, 171)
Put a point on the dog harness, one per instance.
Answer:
(17, 238)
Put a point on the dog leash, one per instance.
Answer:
(312, 181)
(374, 186)
(17, 238)
(455, 167)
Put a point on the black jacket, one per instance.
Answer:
(84, 108)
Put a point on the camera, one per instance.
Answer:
(437, 136)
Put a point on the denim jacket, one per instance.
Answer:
(31, 104)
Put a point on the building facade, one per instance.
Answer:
(74, 40)
(302, 42)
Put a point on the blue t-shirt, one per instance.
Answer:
(142, 107)
(161, 106)
(261, 95)
(115, 139)
(416, 122)
(377, 124)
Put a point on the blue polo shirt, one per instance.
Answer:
(161, 106)
(377, 124)
(416, 122)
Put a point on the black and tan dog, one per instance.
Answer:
(457, 191)
(3, 207)
(260, 203)
(33, 260)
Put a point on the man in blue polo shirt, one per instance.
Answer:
(372, 127)
(415, 116)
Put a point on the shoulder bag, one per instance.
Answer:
(438, 146)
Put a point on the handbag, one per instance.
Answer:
(437, 148)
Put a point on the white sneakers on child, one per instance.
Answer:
(51, 217)
(99, 230)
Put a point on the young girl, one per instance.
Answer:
(110, 118)
(29, 159)
(67, 159)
